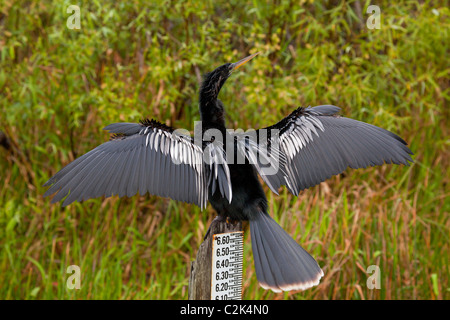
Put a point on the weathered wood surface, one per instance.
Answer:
(200, 269)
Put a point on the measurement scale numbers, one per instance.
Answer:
(227, 261)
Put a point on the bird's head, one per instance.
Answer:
(210, 107)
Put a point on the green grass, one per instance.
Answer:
(60, 87)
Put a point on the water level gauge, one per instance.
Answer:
(227, 265)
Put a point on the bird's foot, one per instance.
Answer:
(231, 221)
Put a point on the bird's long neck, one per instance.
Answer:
(211, 109)
(212, 114)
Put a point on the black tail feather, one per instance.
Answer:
(281, 264)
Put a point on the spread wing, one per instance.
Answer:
(315, 144)
(146, 157)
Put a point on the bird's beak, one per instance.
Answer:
(237, 65)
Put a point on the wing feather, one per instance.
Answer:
(140, 158)
(317, 144)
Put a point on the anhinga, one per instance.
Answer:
(310, 145)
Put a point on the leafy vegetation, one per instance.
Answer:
(130, 60)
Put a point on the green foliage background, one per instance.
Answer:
(136, 59)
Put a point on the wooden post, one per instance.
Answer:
(200, 273)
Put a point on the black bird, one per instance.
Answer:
(221, 166)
